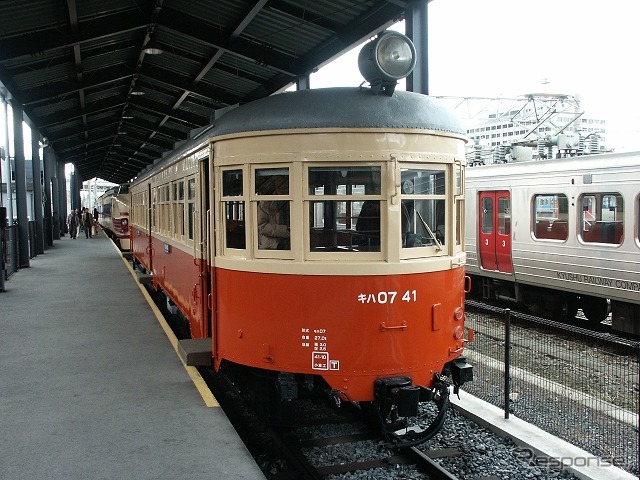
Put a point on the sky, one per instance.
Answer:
(507, 48)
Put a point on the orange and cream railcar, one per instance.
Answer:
(317, 238)
(166, 232)
(113, 215)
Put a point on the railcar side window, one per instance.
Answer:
(551, 216)
(232, 193)
(273, 208)
(165, 213)
(423, 207)
(504, 216)
(344, 208)
(602, 218)
(487, 215)
(459, 199)
(154, 210)
(177, 201)
(191, 205)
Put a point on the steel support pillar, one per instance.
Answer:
(49, 160)
(417, 29)
(37, 190)
(21, 188)
(55, 197)
(62, 197)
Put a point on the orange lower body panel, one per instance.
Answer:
(350, 330)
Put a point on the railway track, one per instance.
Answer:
(323, 442)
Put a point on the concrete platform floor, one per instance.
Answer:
(90, 386)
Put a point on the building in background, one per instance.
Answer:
(534, 126)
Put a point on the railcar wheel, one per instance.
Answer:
(566, 308)
(595, 309)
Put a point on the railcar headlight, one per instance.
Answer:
(387, 59)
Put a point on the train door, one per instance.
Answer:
(208, 223)
(198, 205)
(495, 231)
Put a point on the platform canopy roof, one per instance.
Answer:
(77, 66)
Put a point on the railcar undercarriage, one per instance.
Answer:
(395, 408)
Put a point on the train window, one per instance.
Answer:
(154, 210)
(272, 217)
(232, 189)
(602, 218)
(165, 213)
(423, 207)
(550, 217)
(191, 205)
(177, 209)
(181, 209)
(344, 208)
(459, 203)
(487, 215)
(504, 216)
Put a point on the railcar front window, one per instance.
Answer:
(602, 218)
(232, 193)
(273, 208)
(344, 210)
(423, 207)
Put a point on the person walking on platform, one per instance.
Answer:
(87, 219)
(95, 221)
(73, 224)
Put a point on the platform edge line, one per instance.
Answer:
(208, 397)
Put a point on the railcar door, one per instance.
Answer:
(198, 215)
(495, 230)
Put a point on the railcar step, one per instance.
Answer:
(195, 352)
(127, 255)
(144, 278)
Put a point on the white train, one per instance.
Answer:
(558, 235)
(113, 215)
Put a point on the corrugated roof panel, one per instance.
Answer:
(219, 13)
(180, 44)
(237, 84)
(38, 78)
(278, 31)
(91, 9)
(76, 77)
(186, 67)
(246, 67)
(37, 15)
(106, 59)
(192, 106)
(339, 11)
(99, 93)
(70, 125)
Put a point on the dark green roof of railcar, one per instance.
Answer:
(339, 108)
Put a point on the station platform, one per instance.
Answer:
(91, 384)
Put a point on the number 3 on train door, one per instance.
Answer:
(495, 230)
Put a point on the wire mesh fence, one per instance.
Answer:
(579, 385)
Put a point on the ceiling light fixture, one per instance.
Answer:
(152, 48)
(137, 91)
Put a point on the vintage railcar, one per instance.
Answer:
(316, 238)
(558, 235)
(113, 215)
